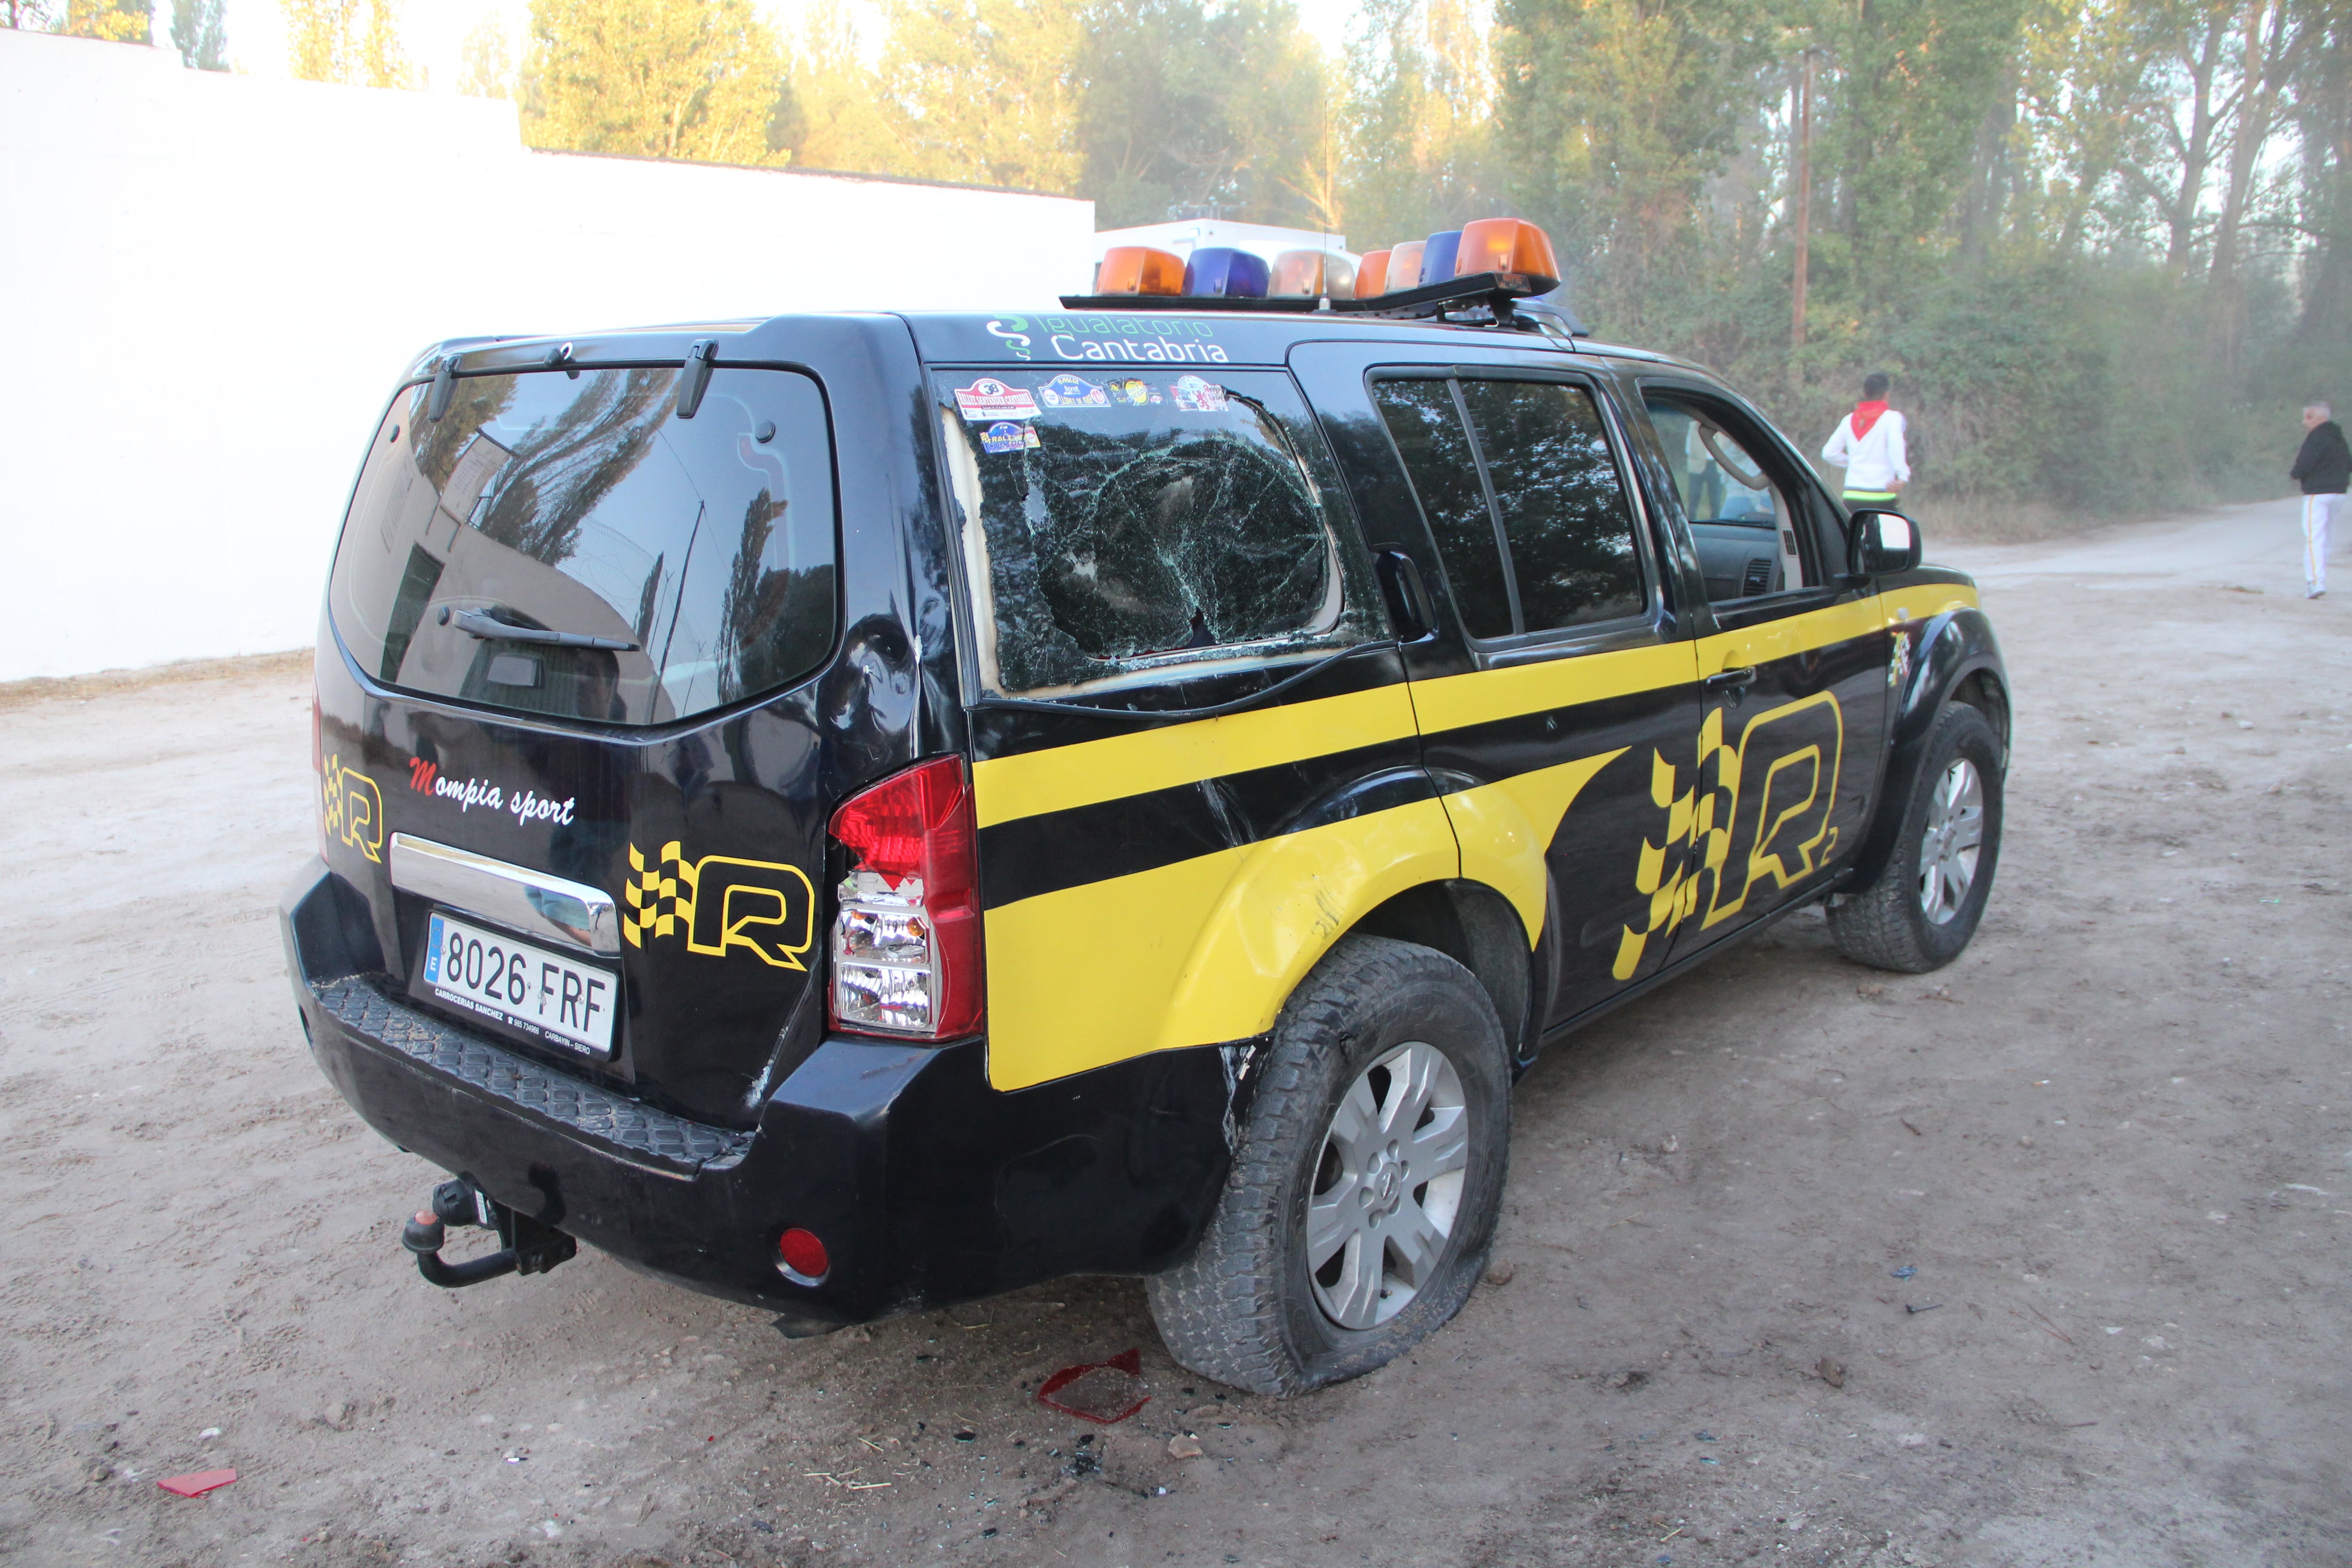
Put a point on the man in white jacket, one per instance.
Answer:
(1868, 445)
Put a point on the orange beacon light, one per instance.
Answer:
(1505, 245)
(1140, 269)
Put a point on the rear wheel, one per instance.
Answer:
(1923, 909)
(1364, 1191)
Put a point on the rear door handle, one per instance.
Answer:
(1729, 679)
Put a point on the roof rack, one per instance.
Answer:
(1480, 300)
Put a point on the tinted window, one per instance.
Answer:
(1746, 531)
(1565, 515)
(690, 562)
(1427, 424)
(1136, 521)
(1715, 478)
(1525, 500)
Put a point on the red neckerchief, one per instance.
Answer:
(1865, 414)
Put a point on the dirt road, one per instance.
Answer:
(2067, 1222)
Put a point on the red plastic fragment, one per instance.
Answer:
(1106, 1399)
(197, 1483)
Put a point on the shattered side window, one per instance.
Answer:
(1130, 523)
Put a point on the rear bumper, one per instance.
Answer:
(926, 1185)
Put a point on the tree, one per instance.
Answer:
(1232, 111)
(200, 34)
(980, 91)
(116, 21)
(355, 42)
(835, 113)
(1918, 78)
(1421, 132)
(654, 79)
(1620, 112)
(489, 67)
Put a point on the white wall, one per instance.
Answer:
(207, 283)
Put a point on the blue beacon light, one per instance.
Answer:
(1221, 271)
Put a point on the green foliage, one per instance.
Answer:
(488, 69)
(356, 42)
(1919, 79)
(200, 34)
(654, 78)
(983, 92)
(1182, 107)
(116, 21)
(1424, 148)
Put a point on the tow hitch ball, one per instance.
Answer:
(528, 1246)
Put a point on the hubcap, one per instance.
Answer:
(1955, 836)
(1388, 1186)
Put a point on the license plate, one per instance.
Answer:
(525, 987)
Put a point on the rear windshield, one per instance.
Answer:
(1128, 523)
(562, 543)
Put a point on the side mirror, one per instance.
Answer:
(1880, 541)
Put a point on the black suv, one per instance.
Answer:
(856, 812)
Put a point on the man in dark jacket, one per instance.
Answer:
(2324, 469)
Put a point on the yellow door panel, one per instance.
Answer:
(1198, 952)
(1506, 830)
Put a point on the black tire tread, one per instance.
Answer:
(1879, 925)
(1220, 1313)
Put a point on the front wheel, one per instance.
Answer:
(1364, 1190)
(1925, 906)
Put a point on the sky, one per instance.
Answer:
(435, 30)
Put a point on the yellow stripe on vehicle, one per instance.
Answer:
(1005, 789)
(1483, 696)
(1195, 953)
(1925, 602)
(1792, 635)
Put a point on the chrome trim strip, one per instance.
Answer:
(569, 913)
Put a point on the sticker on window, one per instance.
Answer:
(1130, 389)
(988, 398)
(1067, 391)
(1004, 436)
(1195, 395)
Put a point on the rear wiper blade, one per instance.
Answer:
(487, 627)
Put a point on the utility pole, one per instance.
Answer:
(1804, 193)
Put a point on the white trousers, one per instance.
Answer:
(2319, 511)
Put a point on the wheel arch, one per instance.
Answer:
(1208, 949)
(1955, 658)
(1478, 928)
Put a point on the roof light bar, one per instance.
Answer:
(1470, 275)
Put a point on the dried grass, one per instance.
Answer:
(116, 682)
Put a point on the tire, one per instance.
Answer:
(1379, 1030)
(1923, 909)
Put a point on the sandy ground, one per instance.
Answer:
(2111, 1143)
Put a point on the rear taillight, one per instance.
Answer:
(906, 942)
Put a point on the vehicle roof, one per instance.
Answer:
(1197, 337)
(1014, 338)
